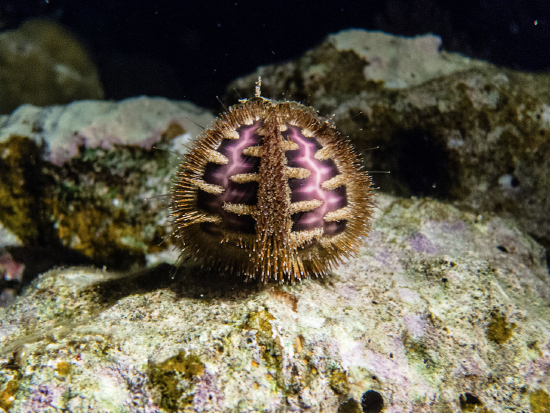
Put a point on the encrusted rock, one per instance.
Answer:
(441, 311)
(446, 126)
(85, 176)
(43, 64)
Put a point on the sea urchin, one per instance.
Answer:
(271, 192)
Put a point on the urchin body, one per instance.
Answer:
(271, 192)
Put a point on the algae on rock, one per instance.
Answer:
(431, 316)
(85, 176)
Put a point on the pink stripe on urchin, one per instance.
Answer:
(310, 188)
(234, 193)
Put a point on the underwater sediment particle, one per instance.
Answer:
(270, 191)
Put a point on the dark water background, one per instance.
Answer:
(192, 49)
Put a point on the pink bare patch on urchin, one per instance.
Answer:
(310, 188)
(234, 193)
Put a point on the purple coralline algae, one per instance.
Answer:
(397, 328)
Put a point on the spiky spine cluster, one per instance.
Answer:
(274, 251)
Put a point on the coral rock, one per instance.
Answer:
(459, 326)
(446, 126)
(41, 63)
